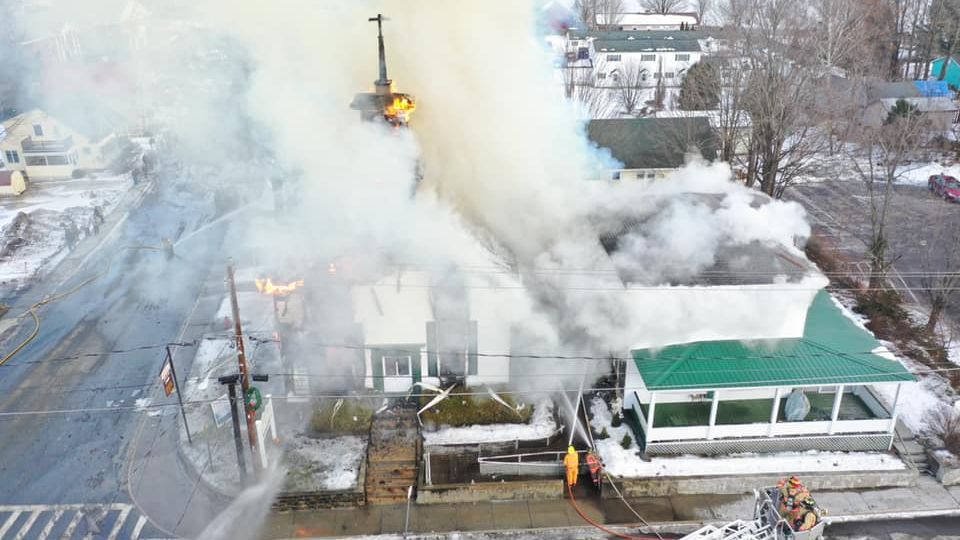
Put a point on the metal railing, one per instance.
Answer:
(527, 464)
(31, 146)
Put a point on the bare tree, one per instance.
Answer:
(579, 87)
(780, 97)
(587, 12)
(702, 7)
(940, 261)
(660, 91)
(878, 162)
(663, 6)
(838, 37)
(610, 11)
(630, 79)
(732, 121)
(733, 12)
(592, 12)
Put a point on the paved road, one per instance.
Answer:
(839, 211)
(93, 360)
(944, 528)
(71, 521)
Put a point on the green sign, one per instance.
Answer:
(253, 398)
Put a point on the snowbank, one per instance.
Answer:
(541, 425)
(916, 400)
(324, 464)
(37, 241)
(627, 463)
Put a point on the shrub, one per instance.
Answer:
(603, 434)
(353, 417)
(463, 410)
(626, 442)
(944, 423)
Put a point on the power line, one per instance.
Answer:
(147, 407)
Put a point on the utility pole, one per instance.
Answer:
(231, 382)
(244, 372)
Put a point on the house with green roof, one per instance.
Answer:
(651, 148)
(821, 390)
(637, 58)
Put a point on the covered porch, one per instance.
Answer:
(734, 420)
(719, 397)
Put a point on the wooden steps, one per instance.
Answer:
(392, 457)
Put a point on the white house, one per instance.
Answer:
(417, 329)
(40, 146)
(637, 57)
(647, 21)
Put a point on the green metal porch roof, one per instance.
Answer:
(833, 350)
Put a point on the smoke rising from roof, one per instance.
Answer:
(505, 158)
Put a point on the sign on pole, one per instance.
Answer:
(166, 378)
(221, 410)
(266, 425)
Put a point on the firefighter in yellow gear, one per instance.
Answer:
(572, 463)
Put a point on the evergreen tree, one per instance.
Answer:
(700, 90)
(901, 109)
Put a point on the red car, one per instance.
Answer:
(945, 186)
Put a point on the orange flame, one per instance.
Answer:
(401, 108)
(266, 286)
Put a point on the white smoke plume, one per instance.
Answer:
(505, 192)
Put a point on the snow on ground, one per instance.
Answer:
(917, 398)
(917, 174)
(542, 425)
(839, 166)
(211, 354)
(627, 463)
(50, 207)
(324, 464)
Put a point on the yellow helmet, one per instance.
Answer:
(571, 450)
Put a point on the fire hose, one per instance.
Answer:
(573, 502)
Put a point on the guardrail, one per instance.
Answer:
(525, 464)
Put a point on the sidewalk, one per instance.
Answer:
(678, 513)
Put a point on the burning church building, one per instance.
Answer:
(383, 103)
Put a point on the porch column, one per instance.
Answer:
(896, 408)
(836, 409)
(650, 410)
(775, 411)
(713, 414)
